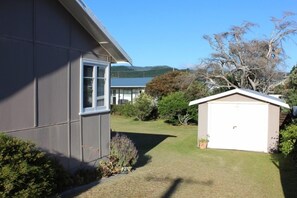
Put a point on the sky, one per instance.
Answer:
(170, 32)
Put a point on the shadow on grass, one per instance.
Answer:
(288, 174)
(176, 182)
(144, 143)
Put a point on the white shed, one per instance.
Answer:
(240, 119)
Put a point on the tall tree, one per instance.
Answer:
(241, 63)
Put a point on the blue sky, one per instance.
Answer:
(169, 32)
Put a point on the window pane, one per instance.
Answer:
(88, 71)
(100, 72)
(88, 90)
(100, 92)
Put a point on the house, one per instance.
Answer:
(55, 81)
(240, 119)
(125, 90)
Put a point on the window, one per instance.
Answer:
(94, 87)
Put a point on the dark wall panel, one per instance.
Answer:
(90, 55)
(75, 144)
(52, 139)
(80, 38)
(16, 18)
(16, 86)
(51, 66)
(91, 137)
(105, 134)
(52, 23)
(75, 81)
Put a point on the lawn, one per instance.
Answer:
(171, 165)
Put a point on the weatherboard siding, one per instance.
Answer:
(202, 121)
(273, 127)
(42, 45)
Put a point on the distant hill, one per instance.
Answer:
(138, 72)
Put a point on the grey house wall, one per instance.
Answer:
(273, 119)
(41, 46)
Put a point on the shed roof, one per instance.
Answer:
(89, 21)
(129, 82)
(245, 92)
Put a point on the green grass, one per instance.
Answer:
(172, 166)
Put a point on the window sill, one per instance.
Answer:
(94, 112)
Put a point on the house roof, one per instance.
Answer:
(89, 21)
(245, 92)
(129, 82)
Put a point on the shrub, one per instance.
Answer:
(288, 139)
(85, 176)
(145, 107)
(25, 171)
(127, 110)
(123, 155)
(175, 109)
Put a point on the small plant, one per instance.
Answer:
(123, 155)
(203, 143)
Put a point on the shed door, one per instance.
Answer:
(240, 126)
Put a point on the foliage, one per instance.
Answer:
(196, 90)
(123, 149)
(241, 63)
(202, 140)
(288, 139)
(127, 110)
(27, 172)
(86, 175)
(63, 179)
(123, 156)
(175, 109)
(288, 89)
(145, 107)
(165, 84)
(109, 167)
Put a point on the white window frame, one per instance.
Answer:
(95, 109)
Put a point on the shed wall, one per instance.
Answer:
(235, 98)
(42, 45)
(273, 127)
(202, 121)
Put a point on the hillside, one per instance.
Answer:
(137, 72)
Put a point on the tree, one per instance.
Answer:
(252, 64)
(289, 88)
(165, 84)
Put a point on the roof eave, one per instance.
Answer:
(239, 91)
(95, 28)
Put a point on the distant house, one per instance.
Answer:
(55, 75)
(125, 90)
(240, 119)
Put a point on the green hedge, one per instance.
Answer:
(26, 171)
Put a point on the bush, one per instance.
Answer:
(175, 109)
(127, 110)
(145, 107)
(85, 176)
(25, 171)
(288, 140)
(123, 155)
